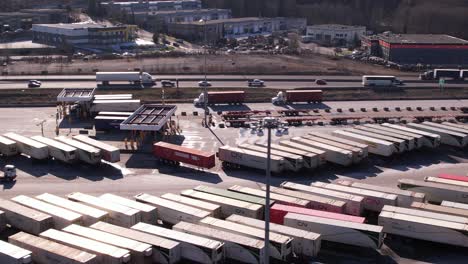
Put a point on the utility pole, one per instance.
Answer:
(205, 88)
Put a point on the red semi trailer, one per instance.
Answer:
(227, 97)
(175, 154)
(297, 96)
(454, 177)
(279, 211)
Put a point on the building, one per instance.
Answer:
(25, 18)
(234, 27)
(336, 35)
(73, 35)
(150, 6)
(418, 48)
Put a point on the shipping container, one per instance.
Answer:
(8, 147)
(427, 214)
(48, 251)
(175, 154)
(404, 198)
(399, 144)
(373, 200)
(446, 181)
(118, 214)
(58, 150)
(24, 218)
(376, 146)
(418, 139)
(453, 177)
(304, 244)
(228, 206)
(436, 192)
(165, 251)
(447, 137)
(233, 195)
(440, 209)
(354, 203)
(14, 254)
(280, 246)
(141, 253)
(310, 160)
(279, 211)
(90, 215)
(333, 154)
(149, 214)
(232, 157)
(424, 228)
(214, 209)
(338, 231)
(320, 153)
(458, 125)
(358, 154)
(173, 212)
(355, 144)
(409, 141)
(109, 153)
(29, 147)
(236, 247)
(117, 105)
(278, 198)
(106, 123)
(292, 162)
(84, 152)
(431, 140)
(193, 248)
(62, 217)
(225, 97)
(108, 254)
(446, 127)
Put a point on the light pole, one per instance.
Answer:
(205, 84)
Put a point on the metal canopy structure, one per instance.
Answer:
(71, 95)
(150, 117)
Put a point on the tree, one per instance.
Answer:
(156, 38)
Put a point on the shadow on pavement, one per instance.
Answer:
(216, 108)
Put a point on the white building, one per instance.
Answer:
(333, 34)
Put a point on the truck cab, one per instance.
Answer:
(9, 173)
(200, 100)
(146, 78)
(279, 99)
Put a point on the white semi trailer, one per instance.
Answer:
(363, 147)
(358, 153)
(418, 139)
(8, 147)
(440, 209)
(105, 78)
(29, 147)
(149, 213)
(24, 218)
(462, 130)
(58, 150)
(446, 181)
(292, 162)
(84, 152)
(436, 192)
(320, 153)
(447, 137)
(409, 141)
(376, 146)
(431, 140)
(310, 160)
(457, 125)
(278, 198)
(109, 153)
(232, 157)
(214, 209)
(14, 254)
(399, 144)
(425, 214)
(333, 154)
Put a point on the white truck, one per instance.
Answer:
(58, 150)
(293, 162)
(232, 157)
(8, 147)
(310, 160)
(431, 140)
(418, 139)
(436, 192)
(14, 254)
(109, 153)
(447, 137)
(29, 147)
(137, 78)
(24, 218)
(84, 152)
(399, 144)
(358, 153)
(333, 154)
(149, 213)
(376, 146)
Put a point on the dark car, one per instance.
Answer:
(167, 83)
(34, 84)
(320, 82)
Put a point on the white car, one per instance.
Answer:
(204, 84)
(256, 83)
(34, 84)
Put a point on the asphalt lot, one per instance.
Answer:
(138, 172)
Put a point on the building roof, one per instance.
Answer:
(183, 11)
(228, 20)
(73, 26)
(420, 39)
(336, 27)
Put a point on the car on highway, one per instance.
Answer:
(320, 82)
(167, 83)
(34, 84)
(204, 84)
(255, 83)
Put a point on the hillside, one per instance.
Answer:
(402, 16)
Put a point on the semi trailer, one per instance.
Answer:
(363, 147)
(418, 139)
(24, 218)
(409, 141)
(84, 152)
(451, 128)
(11, 253)
(109, 153)
(292, 162)
(332, 153)
(29, 147)
(149, 214)
(376, 146)
(215, 98)
(447, 137)
(399, 144)
(137, 78)
(431, 140)
(278, 198)
(310, 160)
(358, 153)
(175, 154)
(298, 96)
(320, 153)
(440, 209)
(233, 195)
(8, 147)
(58, 150)
(114, 106)
(214, 209)
(232, 157)
(436, 74)
(436, 192)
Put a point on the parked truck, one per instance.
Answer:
(137, 78)
(24, 218)
(232, 157)
(298, 96)
(29, 147)
(84, 152)
(58, 150)
(436, 74)
(292, 162)
(8, 147)
(109, 153)
(226, 97)
(14, 254)
(175, 154)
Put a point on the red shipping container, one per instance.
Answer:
(279, 211)
(454, 177)
(226, 97)
(304, 96)
(178, 153)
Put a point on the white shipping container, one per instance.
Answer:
(462, 130)
(310, 160)
(236, 247)
(333, 154)
(90, 215)
(228, 206)
(337, 231)
(431, 140)
(292, 162)
(47, 251)
(399, 144)
(13, 254)
(424, 228)
(29, 147)
(118, 214)
(436, 192)
(358, 153)
(8, 147)
(119, 105)
(376, 146)
(363, 147)
(457, 125)
(149, 214)
(440, 209)
(320, 153)
(165, 251)
(84, 152)
(58, 150)
(24, 218)
(247, 158)
(446, 181)
(426, 214)
(404, 198)
(194, 248)
(409, 141)
(373, 200)
(354, 203)
(418, 139)
(141, 253)
(108, 254)
(214, 209)
(447, 137)
(62, 217)
(278, 198)
(463, 206)
(304, 243)
(280, 245)
(108, 152)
